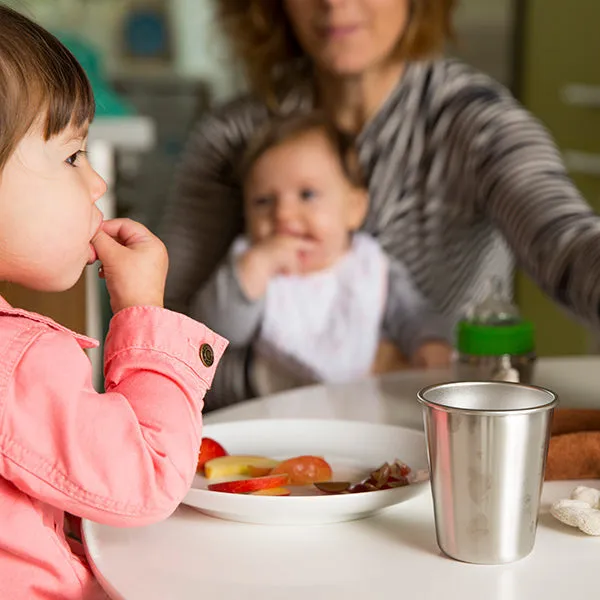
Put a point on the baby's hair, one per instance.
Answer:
(39, 79)
(280, 130)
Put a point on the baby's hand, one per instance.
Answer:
(134, 264)
(433, 355)
(279, 255)
(388, 359)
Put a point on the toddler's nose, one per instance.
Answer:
(97, 186)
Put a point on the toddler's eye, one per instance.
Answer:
(307, 194)
(74, 158)
(261, 201)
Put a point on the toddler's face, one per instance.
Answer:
(299, 188)
(48, 214)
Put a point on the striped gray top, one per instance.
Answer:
(461, 179)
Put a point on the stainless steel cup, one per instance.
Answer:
(487, 444)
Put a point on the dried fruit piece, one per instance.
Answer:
(363, 487)
(333, 487)
(399, 470)
(386, 477)
(394, 483)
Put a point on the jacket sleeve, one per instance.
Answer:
(126, 457)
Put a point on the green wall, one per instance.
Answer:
(561, 47)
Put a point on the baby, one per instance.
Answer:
(126, 457)
(312, 294)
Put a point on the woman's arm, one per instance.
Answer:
(524, 188)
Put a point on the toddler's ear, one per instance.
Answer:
(358, 206)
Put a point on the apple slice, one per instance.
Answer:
(244, 486)
(209, 449)
(227, 466)
(254, 471)
(278, 491)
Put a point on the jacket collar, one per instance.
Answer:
(7, 310)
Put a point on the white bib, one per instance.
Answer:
(325, 326)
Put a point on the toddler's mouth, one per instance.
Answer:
(93, 254)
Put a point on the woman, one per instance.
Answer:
(461, 178)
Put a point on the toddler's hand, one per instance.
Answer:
(134, 263)
(433, 355)
(279, 255)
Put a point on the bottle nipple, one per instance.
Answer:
(495, 308)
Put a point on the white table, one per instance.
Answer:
(191, 555)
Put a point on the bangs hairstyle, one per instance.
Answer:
(281, 130)
(39, 79)
(262, 39)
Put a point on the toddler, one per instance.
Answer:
(126, 457)
(312, 294)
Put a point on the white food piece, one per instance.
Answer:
(581, 510)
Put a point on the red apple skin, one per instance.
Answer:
(209, 449)
(245, 486)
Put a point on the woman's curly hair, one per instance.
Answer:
(262, 38)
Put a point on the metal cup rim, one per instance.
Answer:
(553, 399)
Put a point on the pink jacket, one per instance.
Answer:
(124, 458)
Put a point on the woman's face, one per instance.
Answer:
(348, 37)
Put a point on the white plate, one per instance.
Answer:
(353, 449)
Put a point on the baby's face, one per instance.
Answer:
(300, 189)
(48, 214)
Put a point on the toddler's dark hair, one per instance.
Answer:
(39, 79)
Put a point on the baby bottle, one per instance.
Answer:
(494, 342)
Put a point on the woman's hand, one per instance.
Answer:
(134, 264)
(278, 255)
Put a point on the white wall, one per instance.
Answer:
(198, 49)
(94, 21)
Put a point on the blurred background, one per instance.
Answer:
(157, 65)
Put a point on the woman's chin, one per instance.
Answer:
(345, 66)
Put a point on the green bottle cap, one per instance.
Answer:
(495, 340)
